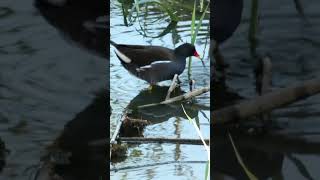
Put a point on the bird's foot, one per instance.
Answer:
(178, 80)
(150, 88)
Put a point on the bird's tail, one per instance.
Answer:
(113, 43)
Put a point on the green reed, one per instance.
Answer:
(195, 30)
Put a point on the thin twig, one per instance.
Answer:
(172, 86)
(116, 132)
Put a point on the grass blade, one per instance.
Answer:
(207, 175)
(246, 170)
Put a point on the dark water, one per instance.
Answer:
(128, 92)
(291, 152)
(45, 81)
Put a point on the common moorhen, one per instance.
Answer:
(154, 63)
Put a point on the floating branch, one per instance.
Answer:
(266, 102)
(185, 96)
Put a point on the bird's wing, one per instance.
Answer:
(143, 55)
(157, 71)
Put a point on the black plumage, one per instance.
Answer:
(154, 63)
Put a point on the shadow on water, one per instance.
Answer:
(47, 124)
(291, 151)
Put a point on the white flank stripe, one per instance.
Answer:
(160, 62)
(142, 68)
(122, 56)
(145, 67)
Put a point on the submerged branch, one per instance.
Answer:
(139, 140)
(156, 164)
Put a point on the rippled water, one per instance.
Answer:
(126, 91)
(293, 44)
(44, 82)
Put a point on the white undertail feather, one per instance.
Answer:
(122, 56)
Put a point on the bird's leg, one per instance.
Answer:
(178, 80)
(150, 87)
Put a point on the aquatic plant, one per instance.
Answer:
(207, 147)
(195, 30)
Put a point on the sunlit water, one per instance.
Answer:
(293, 45)
(125, 87)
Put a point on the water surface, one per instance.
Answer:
(167, 121)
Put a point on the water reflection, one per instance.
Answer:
(160, 113)
(70, 156)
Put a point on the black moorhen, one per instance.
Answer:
(154, 63)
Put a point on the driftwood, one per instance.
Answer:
(185, 96)
(267, 102)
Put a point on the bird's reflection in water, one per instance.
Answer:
(71, 157)
(159, 113)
